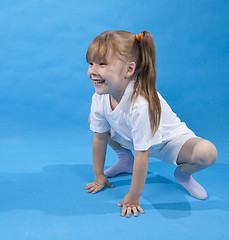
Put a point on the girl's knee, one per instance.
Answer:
(205, 153)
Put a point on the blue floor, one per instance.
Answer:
(42, 195)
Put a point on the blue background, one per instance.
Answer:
(45, 94)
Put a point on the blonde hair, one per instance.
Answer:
(143, 54)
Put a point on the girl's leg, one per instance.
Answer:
(114, 145)
(195, 155)
(125, 160)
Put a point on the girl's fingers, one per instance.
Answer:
(140, 209)
(135, 211)
(128, 212)
(92, 189)
(97, 189)
(123, 211)
(120, 204)
(89, 185)
(109, 185)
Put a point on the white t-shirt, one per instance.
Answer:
(130, 125)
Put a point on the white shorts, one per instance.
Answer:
(168, 151)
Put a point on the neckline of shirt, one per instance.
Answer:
(125, 97)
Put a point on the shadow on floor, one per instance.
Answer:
(59, 190)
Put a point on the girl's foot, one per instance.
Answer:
(124, 164)
(190, 184)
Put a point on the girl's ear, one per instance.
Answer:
(130, 69)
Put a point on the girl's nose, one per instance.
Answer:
(91, 69)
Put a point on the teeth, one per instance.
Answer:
(99, 81)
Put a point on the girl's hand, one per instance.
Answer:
(130, 203)
(98, 185)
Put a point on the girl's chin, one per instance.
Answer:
(100, 91)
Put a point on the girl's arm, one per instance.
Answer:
(141, 160)
(131, 201)
(99, 147)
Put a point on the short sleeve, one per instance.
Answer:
(98, 123)
(142, 134)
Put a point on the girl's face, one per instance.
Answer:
(110, 77)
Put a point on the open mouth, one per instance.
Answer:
(97, 82)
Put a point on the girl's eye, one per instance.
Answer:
(102, 64)
(91, 63)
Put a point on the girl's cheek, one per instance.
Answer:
(89, 71)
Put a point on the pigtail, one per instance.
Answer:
(145, 83)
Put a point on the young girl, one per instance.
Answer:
(128, 113)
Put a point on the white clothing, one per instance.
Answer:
(130, 125)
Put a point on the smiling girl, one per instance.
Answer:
(128, 113)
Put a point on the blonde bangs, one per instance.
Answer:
(98, 49)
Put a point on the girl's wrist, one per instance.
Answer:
(134, 194)
(135, 191)
(131, 199)
(98, 171)
(99, 175)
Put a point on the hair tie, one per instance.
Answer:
(138, 37)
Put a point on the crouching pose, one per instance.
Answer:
(128, 113)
